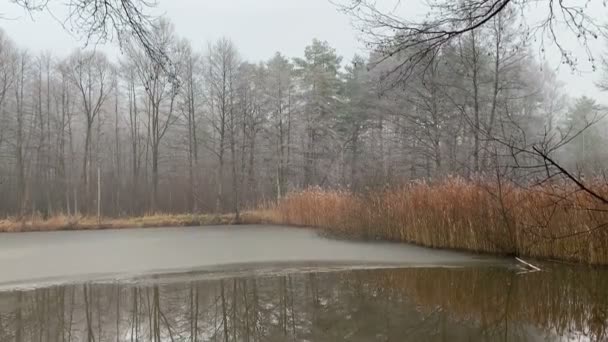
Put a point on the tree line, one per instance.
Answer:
(207, 131)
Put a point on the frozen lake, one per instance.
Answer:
(86, 255)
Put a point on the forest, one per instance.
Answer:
(444, 183)
(210, 132)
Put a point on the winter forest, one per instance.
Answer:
(213, 132)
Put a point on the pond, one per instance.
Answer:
(258, 283)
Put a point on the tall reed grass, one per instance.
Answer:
(551, 221)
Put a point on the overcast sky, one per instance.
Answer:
(259, 28)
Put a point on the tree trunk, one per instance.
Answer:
(85, 164)
(476, 118)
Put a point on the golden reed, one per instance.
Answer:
(551, 221)
(76, 222)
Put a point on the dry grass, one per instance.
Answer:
(64, 222)
(553, 221)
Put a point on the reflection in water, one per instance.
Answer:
(469, 304)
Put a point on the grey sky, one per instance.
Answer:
(259, 28)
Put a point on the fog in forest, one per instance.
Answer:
(222, 126)
(444, 163)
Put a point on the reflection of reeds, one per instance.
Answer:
(563, 300)
(550, 221)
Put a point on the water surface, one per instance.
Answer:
(30, 258)
(312, 289)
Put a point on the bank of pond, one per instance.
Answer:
(551, 221)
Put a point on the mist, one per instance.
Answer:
(218, 132)
(304, 170)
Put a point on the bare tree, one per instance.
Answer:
(99, 21)
(161, 88)
(280, 92)
(65, 99)
(90, 73)
(22, 138)
(222, 63)
(252, 107)
(446, 21)
(133, 122)
(190, 95)
(7, 66)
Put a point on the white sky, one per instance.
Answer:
(261, 27)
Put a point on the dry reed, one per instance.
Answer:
(552, 221)
(66, 222)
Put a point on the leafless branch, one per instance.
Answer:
(416, 42)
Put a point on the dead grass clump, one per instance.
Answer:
(77, 222)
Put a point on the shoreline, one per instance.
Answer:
(83, 223)
(271, 216)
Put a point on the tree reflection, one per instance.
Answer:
(433, 304)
